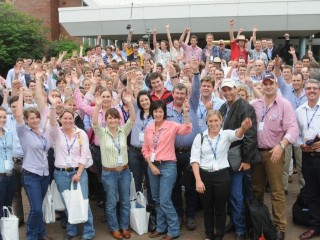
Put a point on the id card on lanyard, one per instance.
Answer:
(69, 147)
(155, 145)
(215, 165)
(264, 114)
(143, 128)
(120, 160)
(44, 144)
(6, 161)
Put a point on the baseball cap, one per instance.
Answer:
(135, 45)
(269, 76)
(228, 82)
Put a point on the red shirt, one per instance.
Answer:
(166, 97)
(236, 53)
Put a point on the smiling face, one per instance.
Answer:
(3, 118)
(230, 94)
(144, 102)
(312, 91)
(67, 120)
(269, 88)
(158, 114)
(157, 84)
(206, 89)
(112, 122)
(106, 98)
(179, 96)
(297, 82)
(28, 97)
(33, 120)
(214, 123)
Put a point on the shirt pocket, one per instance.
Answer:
(275, 123)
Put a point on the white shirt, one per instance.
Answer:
(304, 114)
(203, 154)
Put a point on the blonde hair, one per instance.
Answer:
(213, 112)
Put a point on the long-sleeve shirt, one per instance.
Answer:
(78, 144)
(192, 53)
(279, 122)
(10, 78)
(214, 52)
(11, 125)
(6, 147)
(165, 137)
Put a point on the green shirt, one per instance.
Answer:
(108, 144)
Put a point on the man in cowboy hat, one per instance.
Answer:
(238, 48)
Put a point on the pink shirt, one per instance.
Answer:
(166, 136)
(79, 154)
(191, 52)
(279, 122)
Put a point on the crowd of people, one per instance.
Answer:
(219, 125)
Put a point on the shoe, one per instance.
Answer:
(156, 234)
(290, 179)
(280, 235)
(152, 226)
(191, 224)
(166, 237)
(309, 234)
(180, 222)
(241, 236)
(100, 204)
(125, 233)
(68, 237)
(117, 235)
(295, 171)
(21, 222)
(230, 227)
(286, 192)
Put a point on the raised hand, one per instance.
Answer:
(292, 50)
(310, 54)
(254, 29)
(130, 75)
(167, 26)
(246, 124)
(186, 106)
(98, 99)
(75, 79)
(127, 97)
(52, 99)
(277, 61)
(194, 65)
(231, 22)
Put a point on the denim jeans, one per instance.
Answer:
(36, 188)
(7, 189)
(161, 189)
(186, 178)
(115, 183)
(139, 168)
(237, 202)
(63, 180)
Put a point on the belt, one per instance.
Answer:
(7, 174)
(159, 162)
(17, 160)
(116, 169)
(136, 149)
(183, 150)
(264, 149)
(67, 169)
(223, 169)
(312, 154)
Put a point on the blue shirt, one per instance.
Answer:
(289, 93)
(35, 150)
(11, 125)
(202, 112)
(6, 151)
(139, 127)
(214, 52)
(185, 141)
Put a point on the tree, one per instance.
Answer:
(62, 44)
(21, 35)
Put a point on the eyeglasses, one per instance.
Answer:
(311, 88)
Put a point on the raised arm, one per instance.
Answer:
(181, 40)
(41, 103)
(294, 55)
(128, 98)
(19, 111)
(254, 35)
(245, 125)
(188, 36)
(169, 36)
(129, 37)
(231, 29)
(53, 111)
(61, 56)
(95, 114)
(155, 39)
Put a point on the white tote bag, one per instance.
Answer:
(139, 217)
(48, 207)
(9, 225)
(77, 207)
(56, 196)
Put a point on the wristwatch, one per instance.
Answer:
(282, 145)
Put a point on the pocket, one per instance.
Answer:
(274, 124)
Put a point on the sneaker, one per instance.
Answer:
(191, 224)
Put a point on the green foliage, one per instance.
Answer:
(60, 45)
(21, 35)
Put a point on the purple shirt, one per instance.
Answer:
(191, 52)
(279, 122)
(35, 149)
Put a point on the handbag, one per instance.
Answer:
(9, 225)
(48, 210)
(56, 197)
(77, 207)
(235, 157)
(139, 217)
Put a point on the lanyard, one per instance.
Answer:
(314, 113)
(42, 139)
(69, 147)
(4, 145)
(156, 141)
(202, 113)
(178, 115)
(117, 145)
(264, 114)
(126, 115)
(214, 150)
(144, 124)
(297, 100)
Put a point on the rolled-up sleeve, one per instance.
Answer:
(196, 150)
(290, 124)
(85, 150)
(184, 129)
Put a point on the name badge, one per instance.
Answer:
(7, 165)
(69, 161)
(261, 126)
(215, 166)
(141, 137)
(153, 156)
(120, 162)
(44, 155)
(211, 58)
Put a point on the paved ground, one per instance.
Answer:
(292, 233)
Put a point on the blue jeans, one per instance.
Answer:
(7, 189)
(63, 180)
(161, 189)
(237, 202)
(139, 168)
(36, 188)
(115, 183)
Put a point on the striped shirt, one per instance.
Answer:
(109, 145)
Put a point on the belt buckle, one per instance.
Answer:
(69, 169)
(119, 168)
